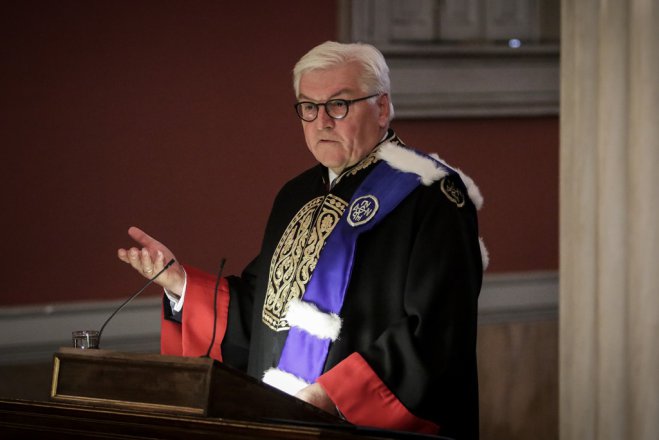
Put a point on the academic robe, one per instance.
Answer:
(405, 358)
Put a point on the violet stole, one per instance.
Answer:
(304, 355)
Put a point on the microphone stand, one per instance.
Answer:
(167, 266)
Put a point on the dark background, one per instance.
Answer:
(177, 117)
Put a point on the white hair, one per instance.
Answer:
(375, 72)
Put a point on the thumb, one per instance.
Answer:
(140, 236)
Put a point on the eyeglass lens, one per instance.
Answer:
(336, 109)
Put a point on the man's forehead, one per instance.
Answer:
(327, 83)
(337, 94)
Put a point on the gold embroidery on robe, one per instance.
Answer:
(365, 163)
(452, 192)
(296, 256)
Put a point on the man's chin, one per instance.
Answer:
(335, 165)
(331, 160)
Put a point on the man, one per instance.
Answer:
(363, 298)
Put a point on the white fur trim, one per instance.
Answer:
(406, 160)
(286, 382)
(306, 316)
(473, 191)
(485, 254)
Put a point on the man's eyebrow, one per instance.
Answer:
(333, 96)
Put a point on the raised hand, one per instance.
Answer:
(151, 258)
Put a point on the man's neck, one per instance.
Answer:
(333, 174)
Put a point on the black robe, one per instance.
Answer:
(411, 306)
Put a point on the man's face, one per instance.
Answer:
(341, 143)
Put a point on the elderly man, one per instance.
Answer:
(363, 298)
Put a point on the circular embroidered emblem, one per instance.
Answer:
(362, 210)
(452, 192)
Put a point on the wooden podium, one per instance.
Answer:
(108, 395)
(173, 385)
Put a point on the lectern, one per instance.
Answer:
(174, 385)
(108, 395)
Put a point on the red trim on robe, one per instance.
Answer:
(365, 400)
(193, 336)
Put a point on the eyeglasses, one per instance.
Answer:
(335, 108)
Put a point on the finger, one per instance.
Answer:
(140, 236)
(159, 264)
(134, 259)
(123, 255)
(147, 263)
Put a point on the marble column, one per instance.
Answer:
(609, 217)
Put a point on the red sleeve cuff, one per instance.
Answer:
(365, 400)
(194, 335)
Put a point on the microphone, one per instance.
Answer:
(217, 289)
(167, 266)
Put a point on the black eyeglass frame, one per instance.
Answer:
(347, 102)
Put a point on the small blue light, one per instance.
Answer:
(514, 43)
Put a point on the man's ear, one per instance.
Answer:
(384, 108)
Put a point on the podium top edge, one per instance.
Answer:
(131, 356)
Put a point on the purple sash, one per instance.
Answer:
(304, 355)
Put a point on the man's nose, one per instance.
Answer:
(324, 118)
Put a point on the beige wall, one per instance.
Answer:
(518, 379)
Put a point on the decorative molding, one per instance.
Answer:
(518, 296)
(33, 333)
(488, 82)
(459, 58)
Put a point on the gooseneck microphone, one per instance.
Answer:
(167, 266)
(217, 289)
